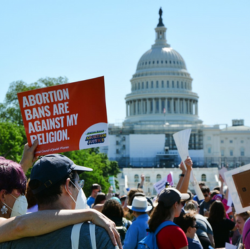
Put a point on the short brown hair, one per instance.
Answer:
(131, 194)
(244, 215)
(186, 221)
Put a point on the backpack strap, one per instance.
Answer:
(92, 235)
(164, 224)
(75, 235)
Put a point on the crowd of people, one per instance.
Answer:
(52, 211)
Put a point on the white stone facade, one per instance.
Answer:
(160, 104)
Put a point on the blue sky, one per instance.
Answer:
(87, 39)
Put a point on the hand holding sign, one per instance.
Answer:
(181, 140)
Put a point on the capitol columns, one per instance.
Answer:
(148, 106)
(172, 105)
(160, 106)
(178, 106)
(141, 107)
(196, 107)
(166, 105)
(126, 109)
(153, 100)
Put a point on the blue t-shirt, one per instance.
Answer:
(90, 201)
(136, 232)
(193, 244)
(195, 198)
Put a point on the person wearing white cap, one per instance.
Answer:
(168, 207)
(137, 231)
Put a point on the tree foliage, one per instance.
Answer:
(10, 110)
(13, 138)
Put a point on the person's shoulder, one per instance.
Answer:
(102, 238)
(5, 245)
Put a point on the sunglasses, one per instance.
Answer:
(195, 226)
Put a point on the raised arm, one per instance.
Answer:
(183, 172)
(185, 182)
(28, 157)
(47, 221)
(142, 181)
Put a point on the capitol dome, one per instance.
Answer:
(161, 88)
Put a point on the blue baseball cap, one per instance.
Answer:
(50, 169)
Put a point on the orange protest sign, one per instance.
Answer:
(66, 117)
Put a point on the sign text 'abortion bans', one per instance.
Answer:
(66, 117)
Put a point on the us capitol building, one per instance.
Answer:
(161, 103)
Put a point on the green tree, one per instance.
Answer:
(13, 138)
(10, 110)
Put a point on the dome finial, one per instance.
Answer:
(160, 24)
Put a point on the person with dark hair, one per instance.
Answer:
(217, 188)
(95, 189)
(204, 229)
(99, 201)
(246, 234)
(240, 220)
(168, 207)
(137, 231)
(55, 183)
(12, 185)
(195, 198)
(113, 210)
(205, 205)
(220, 224)
(213, 193)
(188, 224)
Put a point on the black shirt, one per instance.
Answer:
(205, 205)
(221, 231)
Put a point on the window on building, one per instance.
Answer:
(117, 151)
(136, 178)
(147, 178)
(185, 85)
(242, 141)
(209, 150)
(117, 143)
(162, 84)
(222, 152)
(172, 84)
(182, 85)
(231, 141)
(231, 152)
(152, 84)
(153, 62)
(157, 62)
(154, 191)
(161, 62)
(157, 84)
(158, 177)
(177, 84)
(166, 62)
(242, 152)
(149, 62)
(222, 141)
(139, 85)
(142, 85)
(147, 85)
(203, 177)
(167, 84)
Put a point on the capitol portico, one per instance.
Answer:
(161, 103)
